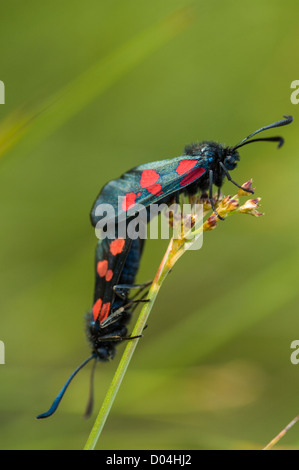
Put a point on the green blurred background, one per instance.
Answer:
(93, 89)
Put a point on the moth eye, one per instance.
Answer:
(230, 162)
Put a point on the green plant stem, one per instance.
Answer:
(162, 272)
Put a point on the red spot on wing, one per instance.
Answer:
(155, 189)
(105, 312)
(128, 201)
(102, 267)
(194, 175)
(185, 165)
(100, 312)
(96, 309)
(148, 178)
(116, 246)
(109, 275)
(148, 181)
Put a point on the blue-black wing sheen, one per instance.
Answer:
(110, 259)
(149, 183)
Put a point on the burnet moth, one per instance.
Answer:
(117, 263)
(202, 166)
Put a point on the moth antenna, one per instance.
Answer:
(89, 405)
(58, 399)
(283, 122)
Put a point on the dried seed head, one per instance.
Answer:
(210, 223)
(247, 185)
(250, 207)
(227, 205)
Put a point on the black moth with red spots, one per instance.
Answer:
(198, 169)
(117, 263)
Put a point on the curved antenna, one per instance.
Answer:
(283, 122)
(89, 405)
(58, 399)
(280, 141)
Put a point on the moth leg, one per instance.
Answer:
(142, 287)
(118, 338)
(137, 301)
(120, 289)
(219, 194)
(232, 181)
(211, 195)
(112, 318)
(119, 312)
